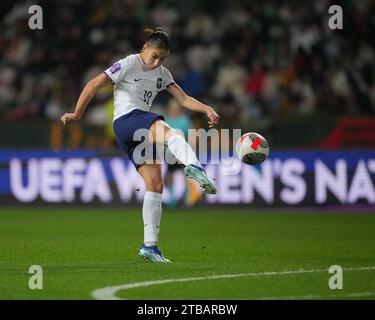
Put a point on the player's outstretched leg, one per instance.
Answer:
(193, 169)
(161, 133)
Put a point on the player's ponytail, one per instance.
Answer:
(157, 38)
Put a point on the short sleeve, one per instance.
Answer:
(167, 79)
(117, 71)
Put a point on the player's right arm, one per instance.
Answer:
(85, 97)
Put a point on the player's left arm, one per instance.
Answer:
(193, 104)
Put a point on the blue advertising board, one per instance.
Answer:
(285, 179)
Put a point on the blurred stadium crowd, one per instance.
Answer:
(251, 60)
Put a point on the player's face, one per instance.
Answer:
(153, 57)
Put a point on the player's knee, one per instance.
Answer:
(155, 186)
(158, 187)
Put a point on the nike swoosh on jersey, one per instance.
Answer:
(138, 79)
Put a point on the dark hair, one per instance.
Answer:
(157, 38)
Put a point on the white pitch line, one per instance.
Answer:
(109, 293)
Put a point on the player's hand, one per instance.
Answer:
(69, 117)
(213, 118)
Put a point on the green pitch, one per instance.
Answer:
(268, 255)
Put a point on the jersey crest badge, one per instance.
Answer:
(158, 83)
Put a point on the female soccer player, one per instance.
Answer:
(137, 79)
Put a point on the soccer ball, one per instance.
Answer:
(252, 148)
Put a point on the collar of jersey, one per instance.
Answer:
(144, 68)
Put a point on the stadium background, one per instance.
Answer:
(273, 67)
(71, 203)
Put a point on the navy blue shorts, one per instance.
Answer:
(129, 136)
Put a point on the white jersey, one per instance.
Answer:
(136, 86)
